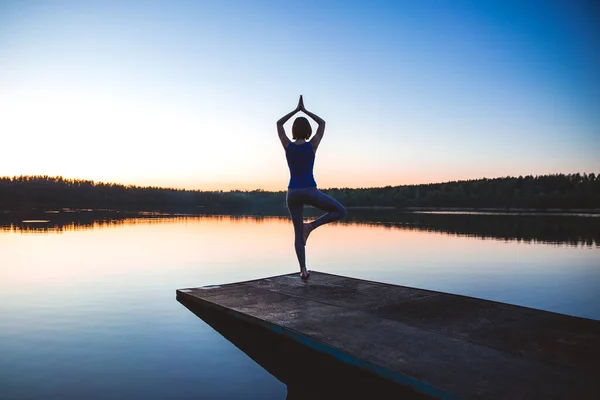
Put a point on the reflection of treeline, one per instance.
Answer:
(552, 228)
(549, 228)
(35, 221)
(542, 192)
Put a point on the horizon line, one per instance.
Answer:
(283, 190)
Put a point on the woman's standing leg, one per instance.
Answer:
(335, 210)
(296, 207)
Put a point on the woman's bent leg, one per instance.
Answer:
(335, 210)
(296, 207)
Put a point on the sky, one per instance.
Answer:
(186, 94)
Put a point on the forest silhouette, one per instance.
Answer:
(543, 192)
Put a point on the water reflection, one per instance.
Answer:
(60, 226)
(87, 310)
(566, 229)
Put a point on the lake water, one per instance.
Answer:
(88, 308)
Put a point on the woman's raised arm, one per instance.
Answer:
(285, 141)
(320, 130)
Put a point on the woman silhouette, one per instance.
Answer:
(302, 189)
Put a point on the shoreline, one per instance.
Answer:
(499, 210)
(203, 209)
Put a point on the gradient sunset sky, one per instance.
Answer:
(186, 93)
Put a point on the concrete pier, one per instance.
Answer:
(437, 344)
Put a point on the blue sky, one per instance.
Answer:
(186, 94)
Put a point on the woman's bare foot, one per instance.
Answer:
(307, 229)
(304, 274)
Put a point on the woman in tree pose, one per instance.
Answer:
(302, 189)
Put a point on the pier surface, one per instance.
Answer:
(439, 344)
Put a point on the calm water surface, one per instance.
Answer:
(89, 311)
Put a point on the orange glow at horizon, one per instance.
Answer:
(327, 179)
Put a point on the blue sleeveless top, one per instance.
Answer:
(300, 159)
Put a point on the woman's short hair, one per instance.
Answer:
(301, 129)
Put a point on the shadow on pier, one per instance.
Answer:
(308, 374)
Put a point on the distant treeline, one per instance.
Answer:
(571, 191)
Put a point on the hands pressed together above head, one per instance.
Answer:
(300, 106)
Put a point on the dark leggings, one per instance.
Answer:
(296, 199)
